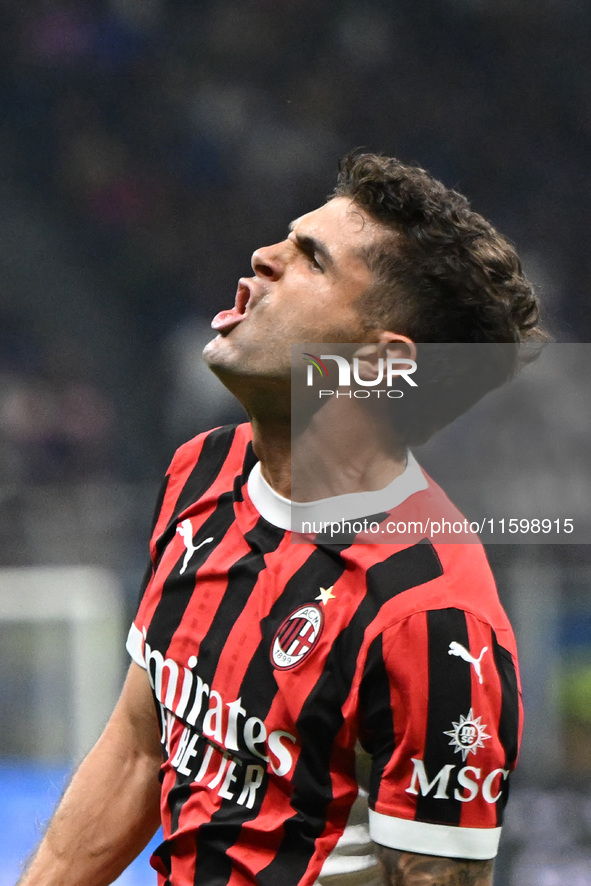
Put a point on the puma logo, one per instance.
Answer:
(462, 652)
(185, 530)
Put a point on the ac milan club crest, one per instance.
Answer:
(297, 636)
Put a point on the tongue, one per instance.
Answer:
(226, 319)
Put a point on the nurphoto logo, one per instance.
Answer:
(390, 370)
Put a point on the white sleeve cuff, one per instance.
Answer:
(135, 645)
(433, 839)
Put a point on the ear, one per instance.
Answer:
(367, 356)
(391, 344)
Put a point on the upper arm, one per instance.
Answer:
(133, 725)
(410, 869)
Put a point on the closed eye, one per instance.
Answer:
(306, 247)
(316, 251)
(314, 262)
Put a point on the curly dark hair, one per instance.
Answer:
(443, 275)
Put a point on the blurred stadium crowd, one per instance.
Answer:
(147, 146)
(162, 140)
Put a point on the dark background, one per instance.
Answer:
(148, 146)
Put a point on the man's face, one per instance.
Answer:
(304, 289)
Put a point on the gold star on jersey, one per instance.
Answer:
(325, 595)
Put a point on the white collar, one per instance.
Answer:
(279, 511)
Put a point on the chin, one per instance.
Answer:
(250, 361)
(223, 360)
(215, 352)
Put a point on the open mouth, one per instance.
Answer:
(243, 294)
(225, 321)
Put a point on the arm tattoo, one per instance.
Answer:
(409, 869)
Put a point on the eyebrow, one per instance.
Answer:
(310, 245)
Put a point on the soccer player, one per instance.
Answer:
(260, 666)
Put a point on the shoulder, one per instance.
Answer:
(208, 463)
(428, 575)
(446, 537)
(216, 441)
(221, 451)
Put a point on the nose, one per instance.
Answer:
(268, 262)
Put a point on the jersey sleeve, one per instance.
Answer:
(135, 638)
(441, 717)
(195, 465)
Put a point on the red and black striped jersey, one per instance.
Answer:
(271, 661)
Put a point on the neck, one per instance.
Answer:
(335, 453)
(272, 446)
